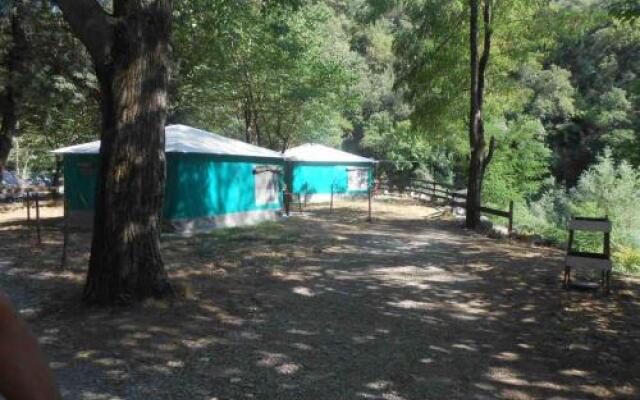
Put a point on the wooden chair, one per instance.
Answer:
(600, 262)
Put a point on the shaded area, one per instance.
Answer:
(328, 306)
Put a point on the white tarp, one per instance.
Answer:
(185, 139)
(312, 152)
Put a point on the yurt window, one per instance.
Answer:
(267, 185)
(358, 178)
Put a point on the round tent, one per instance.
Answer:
(316, 172)
(212, 181)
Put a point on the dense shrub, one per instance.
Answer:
(606, 189)
(520, 163)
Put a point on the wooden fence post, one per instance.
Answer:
(38, 218)
(510, 218)
(28, 204)
(29, 212)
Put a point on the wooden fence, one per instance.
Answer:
(448, 193)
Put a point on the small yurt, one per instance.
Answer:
(212, 181)
(315, 171)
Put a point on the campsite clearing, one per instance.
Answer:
(328, 306)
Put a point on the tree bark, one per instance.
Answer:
(13, 64)
(479, 158)
(130, 50)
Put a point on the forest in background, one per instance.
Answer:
(387, 79)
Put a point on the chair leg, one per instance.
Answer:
(567, 277)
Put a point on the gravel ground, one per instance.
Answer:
(328, 306)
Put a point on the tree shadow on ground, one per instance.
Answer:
(329, 306)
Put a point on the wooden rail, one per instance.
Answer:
(441, 191)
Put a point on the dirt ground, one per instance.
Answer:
(329, 306)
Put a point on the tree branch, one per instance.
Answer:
(487, 159)
(92, 25)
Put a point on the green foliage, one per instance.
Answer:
(612, 189)
(397, 144)
(57, 102)
(606, 189)
(431, 47)
(552, 94)
(547, 216)
(627, 10)
(521, 163)
(272, 77)
(602, 54)
(627, 259)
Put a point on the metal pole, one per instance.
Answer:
(38, 218)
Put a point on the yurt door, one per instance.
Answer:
(267, 184)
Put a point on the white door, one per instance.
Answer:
(358, 178)
(267, 185)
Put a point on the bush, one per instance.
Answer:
(627, 259)
(520, 163)
(614, 191)
(546, 216)
(606, 189)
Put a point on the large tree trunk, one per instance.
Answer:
(131, 54)
(6, 135)
(13, 65)
(479, 158)
(9, 125)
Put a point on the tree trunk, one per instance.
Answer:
(13, 64)
(57, 171)
(131, 54)
(9, 125)
(5, 149)
(479, 159)
(248, 124)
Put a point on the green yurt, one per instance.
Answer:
(315, 171)
(212, 181)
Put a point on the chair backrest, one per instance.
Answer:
(590, 224)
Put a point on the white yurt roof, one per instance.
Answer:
(185, 139)
(312, 152)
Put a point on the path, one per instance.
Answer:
(330, 307)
